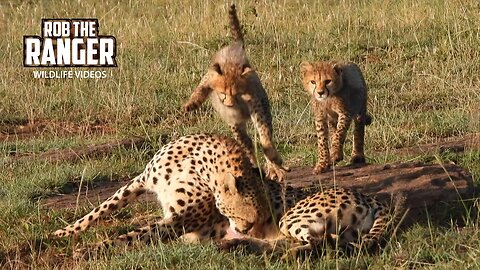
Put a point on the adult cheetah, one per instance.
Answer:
(204, 184)
(334, 216)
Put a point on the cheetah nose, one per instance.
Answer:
(320, 92)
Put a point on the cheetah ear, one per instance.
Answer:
(337, 68)
(229, 184)
(305, 66)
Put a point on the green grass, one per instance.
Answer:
(421, 61)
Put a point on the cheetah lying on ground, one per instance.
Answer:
(334, 216)
(206, 185)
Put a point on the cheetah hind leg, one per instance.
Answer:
(121, 198)
(165, 229)
(358, 155)
(293, 252)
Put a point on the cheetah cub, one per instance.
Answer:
(237, 95)
(339, 94)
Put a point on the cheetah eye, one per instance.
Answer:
(313, 82)
(328, 82)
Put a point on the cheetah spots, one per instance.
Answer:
(180, 190)
(181, 202)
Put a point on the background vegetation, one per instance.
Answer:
(421, 61)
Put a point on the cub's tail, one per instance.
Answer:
(235, 26)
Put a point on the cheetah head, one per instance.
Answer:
(240, 201)
(230, 71)
(322, 79)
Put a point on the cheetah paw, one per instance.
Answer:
(191, 106)
(337, 157)
(321, 168)
(357, 159)
(276, 172)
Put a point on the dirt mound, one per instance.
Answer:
(422, 184)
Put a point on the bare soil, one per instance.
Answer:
(422, 184)
(24, 129)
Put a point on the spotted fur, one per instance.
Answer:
(204, 185)
(339, 94)
(338, 217)
(313, 218)
(237, 95)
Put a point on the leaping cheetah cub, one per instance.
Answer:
(204, 184)
(237, 95)
(339, 94)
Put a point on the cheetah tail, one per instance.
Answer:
(399, 210)
(122, 197)
(235, 24)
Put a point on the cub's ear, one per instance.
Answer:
(337, 68)
(246, 69)
(217, 69)
(305, 67)
(229, 184)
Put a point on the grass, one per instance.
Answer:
(421, 61)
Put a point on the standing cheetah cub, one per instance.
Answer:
(237, 95)
(339, 94)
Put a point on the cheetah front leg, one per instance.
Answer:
(262, 120)
(321, 127)
(240, 135)
(338, 138)
(199, 95)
